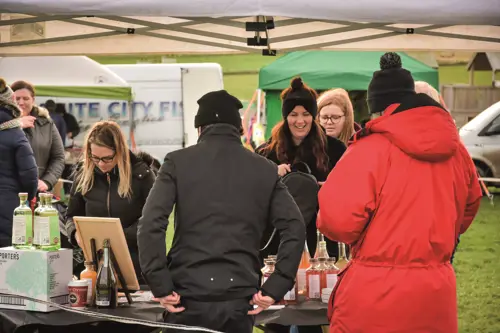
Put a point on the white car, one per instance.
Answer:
(481, 136)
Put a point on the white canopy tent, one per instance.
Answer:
(47, 27)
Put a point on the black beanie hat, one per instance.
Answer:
(218, 107)
(390, 84)
(299, 95)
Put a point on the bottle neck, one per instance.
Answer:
(89, 267)
(342, 252)
(23, 202)
(106, 257)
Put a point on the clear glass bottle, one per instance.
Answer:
(301, 273)
(48, 225)
(321, 251)
(331, 273)
(342, 262)
(313, 281)
(38, 220)
(322, 268)
(22, 224)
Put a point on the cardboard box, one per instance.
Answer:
(38, 274)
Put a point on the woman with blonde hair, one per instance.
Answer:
(422, 87)
(336, 114)
(110, 181)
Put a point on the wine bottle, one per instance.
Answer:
(301, 273)
(106, 293)
(22, 224)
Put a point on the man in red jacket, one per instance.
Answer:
(400, 195)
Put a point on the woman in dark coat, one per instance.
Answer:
(298, 138)
(42, 135)
(18, 170)
(110, 182)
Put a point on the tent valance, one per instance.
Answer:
(47, 27)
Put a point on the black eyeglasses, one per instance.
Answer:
(105, 159)
(334, 119)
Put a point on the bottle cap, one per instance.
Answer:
(322, 259)
(88, 263)
(313, 260)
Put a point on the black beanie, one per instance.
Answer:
(299, 95)
(391, 84)
(218, 107)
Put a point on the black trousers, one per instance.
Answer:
(286, 329)
(225, 316)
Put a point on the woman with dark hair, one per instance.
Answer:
(299, 138)
(42, 135)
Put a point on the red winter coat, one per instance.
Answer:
(401, 194)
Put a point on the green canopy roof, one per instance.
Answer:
(105, 92)
(335, 69)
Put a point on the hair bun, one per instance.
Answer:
(3, 84)
(390, 60)
(297, 83)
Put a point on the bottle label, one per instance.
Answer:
(102, 302)
(301, 279)
(47, 230)
(331, 280)
(290, 295)
(314, 286)
(21, 229)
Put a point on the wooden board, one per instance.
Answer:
(101, 228)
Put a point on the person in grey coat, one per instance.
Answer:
(42, 135)
(225, 196)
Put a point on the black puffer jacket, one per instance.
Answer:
(94, 203)
(335, 150)
(18, 171)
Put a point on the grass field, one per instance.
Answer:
(477, 268)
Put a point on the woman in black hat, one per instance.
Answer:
(298, 138)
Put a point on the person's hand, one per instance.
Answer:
(42, 186)
(262, 302)
(169, 302)
(283, 169)
(27, 121)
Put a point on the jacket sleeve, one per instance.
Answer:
(473, 198)
(152, 230)
(76, 207)
(26, 166)
(146, 185)
(288, 221)
(349, 196)
(55, 167)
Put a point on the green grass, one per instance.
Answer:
(477, 268)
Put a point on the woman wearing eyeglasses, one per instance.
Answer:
(110, 181)
(336, 114)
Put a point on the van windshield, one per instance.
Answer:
(483, 118)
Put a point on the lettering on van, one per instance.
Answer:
(120, 109)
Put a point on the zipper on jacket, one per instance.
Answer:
(109, 193)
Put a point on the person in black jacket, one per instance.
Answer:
(110, 182)
(299, 138)
(225, 196)
(18, 170)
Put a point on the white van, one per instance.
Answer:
(165, 102)
(481, 136)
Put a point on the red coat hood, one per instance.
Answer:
(419, 127)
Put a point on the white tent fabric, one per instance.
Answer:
(219, 26)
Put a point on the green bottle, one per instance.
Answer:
(36, 221)
(47, 225)
(22, 224)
